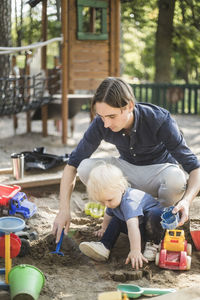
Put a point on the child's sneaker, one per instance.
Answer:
(95, 250)
(150, 251)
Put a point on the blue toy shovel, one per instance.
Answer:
(59, 245)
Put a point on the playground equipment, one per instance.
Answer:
(15, 201)
(26, 282)
(95, 210)
(195, 234)
(59, 245)
(20, 204)
(100, 58)
(23, 281)
(135, 291)
(175, 252)
(9, 225)
(169, 220)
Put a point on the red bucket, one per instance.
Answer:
(196, 238)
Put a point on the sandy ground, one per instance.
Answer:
(74, 276)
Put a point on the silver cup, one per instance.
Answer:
(18, 165)
(22, 166)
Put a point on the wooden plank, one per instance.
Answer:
(65, 71)
(33, 180)
(90, 74)
(89, 44)
(6, 171)
(90, 65)
(114, 37)
(100, 46)
(87, 84)
(91, 57)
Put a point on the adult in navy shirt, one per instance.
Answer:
(153, 154)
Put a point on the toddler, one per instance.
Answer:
(128, 210)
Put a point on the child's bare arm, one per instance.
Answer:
(135, 255)
(106, 221)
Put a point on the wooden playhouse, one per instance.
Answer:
(90, 48)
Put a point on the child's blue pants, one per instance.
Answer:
(149, 225)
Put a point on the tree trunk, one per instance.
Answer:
(164, 40)
(5, 35)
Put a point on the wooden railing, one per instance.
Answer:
(178, 99)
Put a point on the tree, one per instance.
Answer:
(186, 41)
(5, 35)
(163, 46)
(160, 40)
(19, 22)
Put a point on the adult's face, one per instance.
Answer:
(115, 118)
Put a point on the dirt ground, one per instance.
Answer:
(74, 276)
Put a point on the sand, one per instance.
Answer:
(74, 276)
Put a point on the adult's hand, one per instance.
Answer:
(63, 217)
(61, 221)
(183, 208)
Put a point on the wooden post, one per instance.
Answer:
(114, 68)
(64, 21)
(27, 72)
(56, 61)
(44, 109)
(14, 64)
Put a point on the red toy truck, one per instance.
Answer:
(175, 252)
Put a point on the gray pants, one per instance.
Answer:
(167, 182)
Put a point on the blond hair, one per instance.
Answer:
(105, 178)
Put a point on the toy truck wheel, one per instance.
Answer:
(189, 249)
(157, 259)
(25, 248)
(189, 259)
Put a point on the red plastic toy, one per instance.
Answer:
(15, 245)
(175, 252)
(13, 201)
(7, 192)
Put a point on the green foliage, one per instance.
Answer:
(139, 25)
(31, 30)
(138, 35)
(186, 41)
(138, 39)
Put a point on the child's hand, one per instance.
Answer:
(99, 232)
(136, 258)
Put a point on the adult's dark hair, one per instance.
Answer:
(113, 91)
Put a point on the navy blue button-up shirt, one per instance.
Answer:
(154, 139)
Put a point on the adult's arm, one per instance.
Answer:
(63, 217)
(170, 134)
(192, 190)
(87, 145)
